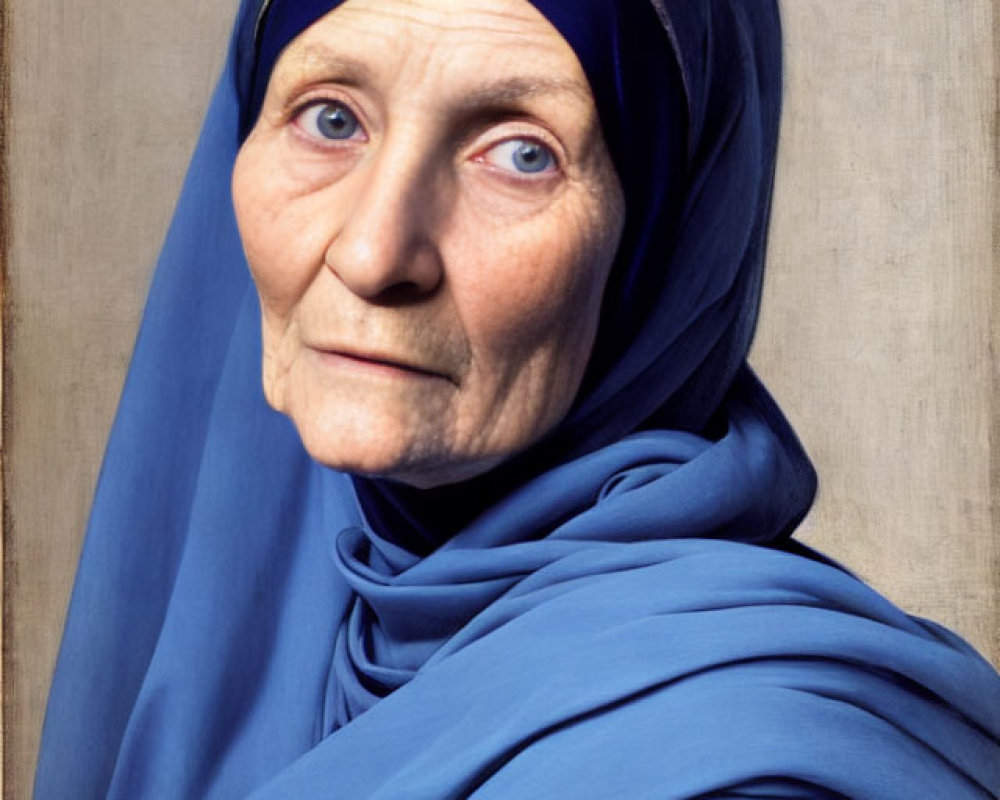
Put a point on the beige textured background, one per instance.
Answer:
(876, 332)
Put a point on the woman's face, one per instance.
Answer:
(430, 215)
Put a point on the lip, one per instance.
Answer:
(377, 363)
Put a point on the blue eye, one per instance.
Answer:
(332, 121)
(525, 156)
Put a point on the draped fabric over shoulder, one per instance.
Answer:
(618, 612)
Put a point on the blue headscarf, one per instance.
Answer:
(618, 612)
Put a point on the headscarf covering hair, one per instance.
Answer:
(618, 612)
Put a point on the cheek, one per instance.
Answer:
(277, 240)
(538, 292)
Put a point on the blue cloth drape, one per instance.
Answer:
(622, 614)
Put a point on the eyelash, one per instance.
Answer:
(316, 104)
(552, 166)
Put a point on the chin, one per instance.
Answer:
(383, 431)
(388, 451)
(370, 430)
(348, 446)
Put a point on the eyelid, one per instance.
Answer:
(515, 174)
(497, 134)
(299, 105)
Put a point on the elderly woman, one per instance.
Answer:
(523, 525)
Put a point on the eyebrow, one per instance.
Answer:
(499, 93)
(344, 68)
(505, 91)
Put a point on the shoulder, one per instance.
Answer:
(713, 665)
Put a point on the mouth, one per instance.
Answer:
(379, 364)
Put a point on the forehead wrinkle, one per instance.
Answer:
(454, 30)
(319, 55)
(454, 19)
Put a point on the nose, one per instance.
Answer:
(385, 250)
